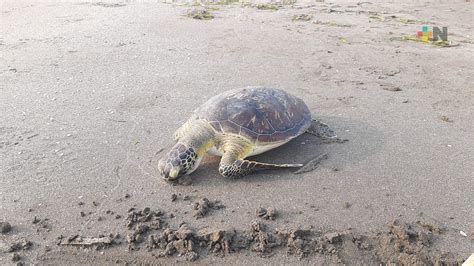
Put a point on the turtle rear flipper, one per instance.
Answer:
(324, 132)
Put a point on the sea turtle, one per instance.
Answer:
(236, 124)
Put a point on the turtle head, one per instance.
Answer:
(180, 160)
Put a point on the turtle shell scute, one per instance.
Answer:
(257, 113)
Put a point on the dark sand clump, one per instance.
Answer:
(5, 227)
(268, 213)
(155, 231)
(401, 243)
(203, 206)
(142, 222)
(20, 246)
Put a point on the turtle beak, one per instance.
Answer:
(168, 172)
(173, 174)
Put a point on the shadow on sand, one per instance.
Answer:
(363, 141)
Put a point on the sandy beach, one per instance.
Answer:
(91, 93)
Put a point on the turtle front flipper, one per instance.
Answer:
(324, 132)
(233, 165)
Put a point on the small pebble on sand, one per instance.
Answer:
(5, 227)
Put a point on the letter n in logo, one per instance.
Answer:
(441, 34)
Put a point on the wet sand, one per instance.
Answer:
(91, 93)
